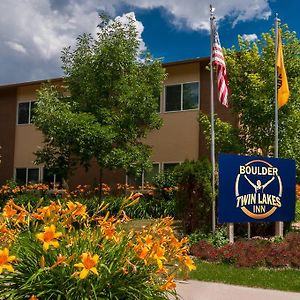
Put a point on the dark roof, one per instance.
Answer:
(36, 82)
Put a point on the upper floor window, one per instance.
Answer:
(25, 112)
(183, 96)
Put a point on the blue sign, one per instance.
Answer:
(256, 189)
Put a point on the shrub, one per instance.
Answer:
(22, 192)
(253, 253)
(217, 239)
(61, 252)
(194, 195)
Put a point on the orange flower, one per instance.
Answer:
(189, 263)
(76, 209)
(88, 264)
(169, 284)
(49, 237)
(60, 259)
(8, 211)
(142, 252)
(21, 218)
(148, 240)
(3, 228)
(33, 297)
(5, 261)
(159, 256)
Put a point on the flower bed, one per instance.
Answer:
(61, 252)
(253, 253)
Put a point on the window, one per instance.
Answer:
(138, 181)
(134, 180)
(27, 175)
(25, 112)
(150, 174)
(169, 167)
(182, 96)
(21, 176)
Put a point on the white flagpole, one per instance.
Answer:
(278, 225)
(212, 123)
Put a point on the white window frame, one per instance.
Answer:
(181, 96)
(29, 115)
(26, 183)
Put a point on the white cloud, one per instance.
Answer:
(250, 37)
(37, 30)
(195, 13)
(125, 19)
(41, 28)
(16, 46)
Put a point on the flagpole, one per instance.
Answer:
(212, 121)
(276, 91)
(278, 225)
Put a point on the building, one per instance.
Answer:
(186, 91)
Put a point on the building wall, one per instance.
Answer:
(180, 137)
(8, 100)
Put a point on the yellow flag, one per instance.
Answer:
(282, 83)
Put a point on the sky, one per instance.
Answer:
(34, 32)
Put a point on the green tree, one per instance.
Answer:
(226, 135)
(251, 80)
(194, 194)
(113, 89)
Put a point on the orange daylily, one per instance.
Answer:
(189, 263)
(77, 208)
(8, 211)
(143, 251)
(88, 263)
(159, 256)
(21, 218)
(148, 240)
(5, 261)
(49, 237)
(169, 284)
(60, 260)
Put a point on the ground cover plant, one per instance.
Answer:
(253, 253)
(59, 251)
(158, 199)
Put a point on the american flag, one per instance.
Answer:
(219, 62)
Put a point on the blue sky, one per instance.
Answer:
(33, 32)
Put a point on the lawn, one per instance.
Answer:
(278, 279)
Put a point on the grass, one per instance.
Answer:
(278, 279)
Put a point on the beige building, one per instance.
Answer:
(186, 91)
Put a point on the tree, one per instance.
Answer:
(226, 135)
(250, 68)
(113, 90)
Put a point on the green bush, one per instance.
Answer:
(63, 252)
(193, 205)
(148, 207)
(217, 239)
(23, 194)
